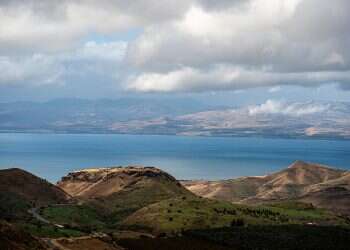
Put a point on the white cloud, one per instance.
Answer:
(292, 109)
(184, 45)
(56, 25)
(55, 68)
(226, 77)
(302, 42)
(37, 69)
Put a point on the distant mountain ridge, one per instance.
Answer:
(178, 117)
(302, 181)
(82, 115)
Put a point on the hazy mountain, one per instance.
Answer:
(178, 117)
(272, 118)
(97, 116)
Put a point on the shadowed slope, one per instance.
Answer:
(30, 187)
(20, 190)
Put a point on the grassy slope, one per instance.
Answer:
(73, 215)
(48, 231)
(122, 204)
(179, 214)
(109, 212)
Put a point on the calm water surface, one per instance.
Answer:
(54, 155)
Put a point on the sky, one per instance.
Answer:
(225, 52)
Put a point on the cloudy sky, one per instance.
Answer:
(224, 50)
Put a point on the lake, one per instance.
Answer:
(52, 156)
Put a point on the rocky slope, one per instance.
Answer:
(303, 181)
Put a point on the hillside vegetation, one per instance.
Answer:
(182, 214)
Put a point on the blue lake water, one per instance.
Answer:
(52, 156)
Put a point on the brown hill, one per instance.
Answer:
(20, 190)
(102, 182)
(295, 180)
(307, 181)
(30, 187)
(119, 191)
(12, 238)
(233, 190)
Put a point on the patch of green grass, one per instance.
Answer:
(293, 205)
(184, 214)
(299, 212)
(49, 231)
(73, 215)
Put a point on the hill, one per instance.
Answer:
(102, 182)
(117, 192)
(20, 190)
(300, 181)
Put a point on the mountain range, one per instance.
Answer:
(187, 117)
(301, 181)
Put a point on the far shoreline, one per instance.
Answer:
(256, 136)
